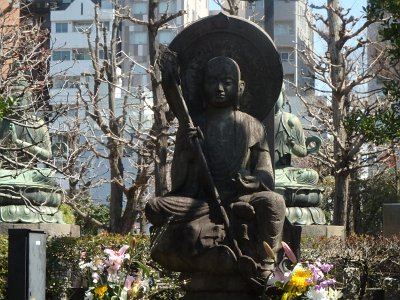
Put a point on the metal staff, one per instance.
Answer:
(173, 94)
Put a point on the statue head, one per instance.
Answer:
(222, 84)
(280, 103)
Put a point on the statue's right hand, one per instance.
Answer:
(195, 132)
(169, 65)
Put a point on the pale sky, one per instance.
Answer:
(355, 6)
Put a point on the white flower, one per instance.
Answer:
(88, 295)
(323, 294)
(314, 294)
(334, 294)
(95, 277)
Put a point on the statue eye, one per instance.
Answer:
(228, 82)
(211, 81)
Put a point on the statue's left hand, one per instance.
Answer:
(247, 182)
(291, 142)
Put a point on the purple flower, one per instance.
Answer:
(324, 267)
(317, 274)
(324, 284)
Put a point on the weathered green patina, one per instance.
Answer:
(28, 193)
(299, 186)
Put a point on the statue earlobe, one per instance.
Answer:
(240, 93)
(242, 85)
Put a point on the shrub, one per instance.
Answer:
(64, 254)
(361, 262)
(3, 266)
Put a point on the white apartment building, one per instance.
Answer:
(70, 59)
(71, 63)
(135, 39)
(291, 34)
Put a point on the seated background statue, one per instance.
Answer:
(290, 140)
(299, 186)
(29, 194)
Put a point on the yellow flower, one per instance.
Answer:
(135, 287)
(300, 278)
(289, 295)
(100, 291)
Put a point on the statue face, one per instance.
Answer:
(221, 82)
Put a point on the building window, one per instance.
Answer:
(106, 4)
(66, 82)
(82, 54)
(82, 26)
(287, 57)
(166, 36)
(283, 28)
(167, 6)
(140, 69)
(61, 55)
(140, 8)
(61, 27)
(138, 38)
(106, 25)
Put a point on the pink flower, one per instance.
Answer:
(269, 251)
(116, 258)
(289, 253)
(128, 282)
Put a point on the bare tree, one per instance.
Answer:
(346, 110)
(112, 134)
(229, 6)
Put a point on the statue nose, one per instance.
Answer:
(220, 87)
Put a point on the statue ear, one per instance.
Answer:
(241, 87)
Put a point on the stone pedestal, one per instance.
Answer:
(322, 230)
(391, 219)
(202, 286)
(50, 229)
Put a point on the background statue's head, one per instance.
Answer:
(222, 84)
(280, 103)
(20, 90)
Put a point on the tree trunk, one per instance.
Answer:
(338, 78)
(114, 146)
(159, 105)
(356, 222)
(116, 194)
(342, 180)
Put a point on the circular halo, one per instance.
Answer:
(244, 42)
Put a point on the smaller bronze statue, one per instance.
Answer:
(28, 193)
(299, 186)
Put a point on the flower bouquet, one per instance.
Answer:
(300, 280)
(114, 276)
